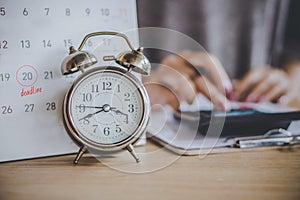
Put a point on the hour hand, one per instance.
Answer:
(118, 112)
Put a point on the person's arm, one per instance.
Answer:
(177, 78)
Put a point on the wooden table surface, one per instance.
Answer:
(271, 173)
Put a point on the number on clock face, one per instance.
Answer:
(106, 107)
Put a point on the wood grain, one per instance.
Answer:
(258, 174)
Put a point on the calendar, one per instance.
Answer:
(35, 36)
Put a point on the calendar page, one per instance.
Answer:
(35, 36)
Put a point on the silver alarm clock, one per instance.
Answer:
(107, 108)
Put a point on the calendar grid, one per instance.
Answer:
(34, 39)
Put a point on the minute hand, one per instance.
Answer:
(91, 114)
(97, 107)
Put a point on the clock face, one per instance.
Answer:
(106, 107)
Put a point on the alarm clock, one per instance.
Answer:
(107, 108)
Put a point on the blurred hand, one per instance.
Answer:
(266, 84)
(181, 77)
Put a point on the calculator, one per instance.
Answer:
(238, 122)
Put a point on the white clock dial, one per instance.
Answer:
(106, 108)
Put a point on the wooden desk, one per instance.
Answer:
(268, 174)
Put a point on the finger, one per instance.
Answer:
(161, 95)
(212, 66)
(275, 93)
(219, 76)
(246, 85)
(270, 88)
(181, 84)
(260, 90)
(231, 95)
(177, 63)
(212, 93)
(187, 89)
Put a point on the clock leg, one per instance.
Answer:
(79, 154)
(132, 152)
